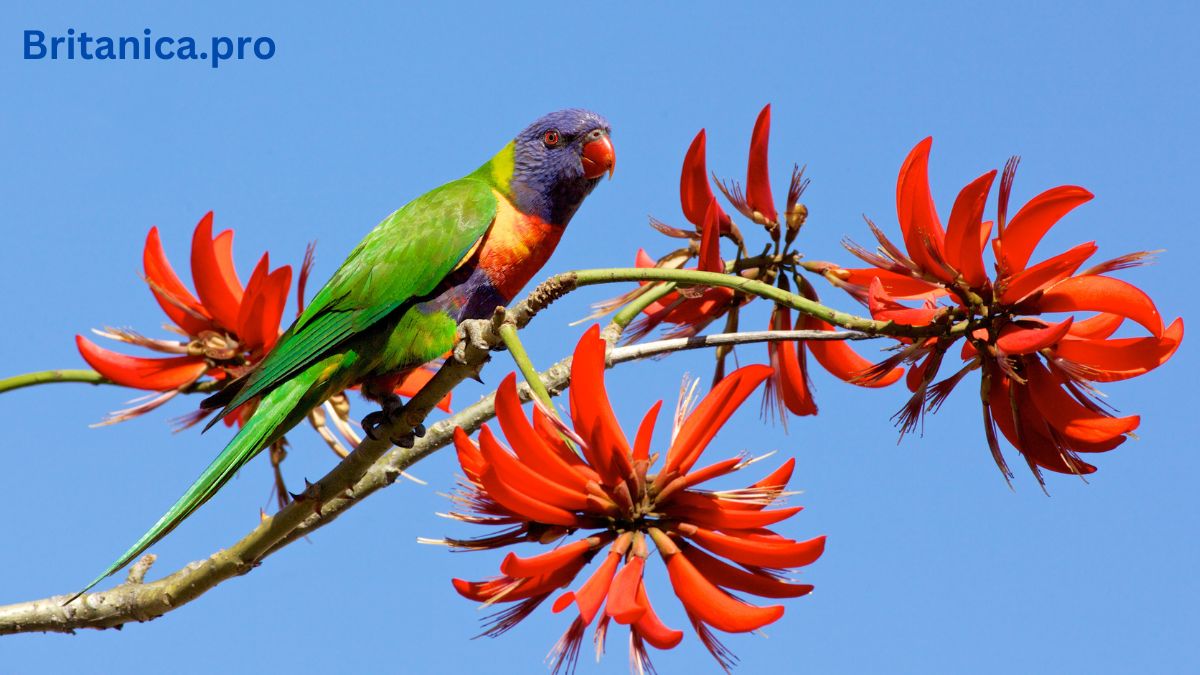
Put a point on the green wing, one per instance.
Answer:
(404, 258)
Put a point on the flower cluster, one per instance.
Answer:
(1038, 371)
(226, 329)
(587, 478)
(689, 312)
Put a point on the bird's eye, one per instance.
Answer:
(551, 138)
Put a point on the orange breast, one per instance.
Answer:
(516, 248)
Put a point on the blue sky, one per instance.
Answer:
(933, 564)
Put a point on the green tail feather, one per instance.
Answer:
(278, 412)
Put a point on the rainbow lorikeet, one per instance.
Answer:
(455, 253)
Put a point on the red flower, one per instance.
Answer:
(1038, 373)
(789, 388)
(693, 310)
(542, 491)
(228, 327)
(758, 178)
(757, 203)
(696, 195)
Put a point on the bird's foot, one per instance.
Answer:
(474, 333)
(392, 408)
(409, 439)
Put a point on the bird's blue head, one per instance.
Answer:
(558, 160)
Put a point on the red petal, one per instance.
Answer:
(985, 234)
(790, 380)
(1019, 425)
(622, 456)
(746, 551)
(651, 627)
(469, 457)
(768, 488)
(1102, 294)
(141, 373)
(523, 504)
(721, 468)
(1038, 442)
(923, 236)
(248, 326)
(885, 308)
(212, 273)
(737, 579)
(1079, 425)
(169, 291)
(546, 563)
(1015, 339)
(695, 192)
(591, 595)
(916, 374)
(524, 479)
(711, 414)
(641, 444)
(591, 411)
(552, 437)
(897, 285)
(1029, 281)
(710, 240)
(532, 450)
(710, 513)
(275, 294)
(484, 591)
(758, 178)
(842, 361)
(1098, 327)
(965, 230)
(623, 605)
(780, 477)
(479, 591)
(644, 260)
(700, 311)
(713, 605)
(1123, 358)
(223, 248)
(1026, 229)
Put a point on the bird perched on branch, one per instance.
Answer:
(455, 253)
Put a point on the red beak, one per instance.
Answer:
(598, 157)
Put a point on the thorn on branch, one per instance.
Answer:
(312, 492)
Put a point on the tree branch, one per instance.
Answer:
(580, 278)
(370, 466)
(50, 376)
(145, 601)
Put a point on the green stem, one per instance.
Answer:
(762, 290)
(89, 377)
(508, 334)
(630, 312)
(51, 376)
